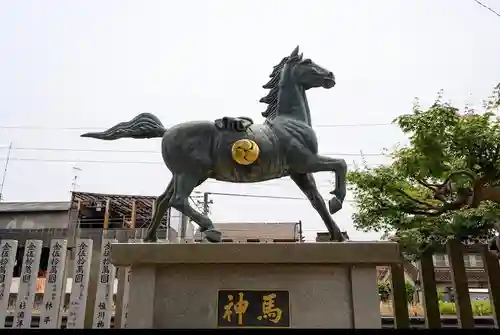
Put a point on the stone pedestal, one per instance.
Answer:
(330, 285)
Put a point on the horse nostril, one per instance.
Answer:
(330, 74)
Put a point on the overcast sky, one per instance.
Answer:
(91, 64)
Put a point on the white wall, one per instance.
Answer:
(34, 220)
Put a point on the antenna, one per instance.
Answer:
(5, 170)
(74, 184)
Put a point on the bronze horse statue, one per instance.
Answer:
(237, 150)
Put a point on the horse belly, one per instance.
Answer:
(251, 173)
(269, 165)
(261, 171)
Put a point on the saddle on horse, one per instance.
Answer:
(239, 124)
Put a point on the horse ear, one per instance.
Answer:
(295, 52)
(300, 56)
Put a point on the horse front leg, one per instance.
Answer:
(319, 163)
(306, 183)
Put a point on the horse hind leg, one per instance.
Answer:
(161, 206)
(184, 185)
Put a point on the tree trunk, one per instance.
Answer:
(487, 193)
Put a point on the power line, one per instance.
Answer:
(244, 195)
(98, 128)
(43, 160)
(33, 160)
(19, 159)
(195, 203)
(256, 196)
(91, 161)
(149, 151)
(275, 183)
(488, 8)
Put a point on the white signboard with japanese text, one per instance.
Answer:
(8, 249)
(104, 299)
(54, 281)
(79, 287)
(126, 292)
(27, 285)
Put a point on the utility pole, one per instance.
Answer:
(74, 184)
(5, 171)
(184, 223)
(206, 203)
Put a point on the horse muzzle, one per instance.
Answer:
(328, 82)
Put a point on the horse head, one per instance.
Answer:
(309, 74)
(289, 81)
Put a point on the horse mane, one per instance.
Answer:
(271, 99)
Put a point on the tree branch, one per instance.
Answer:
(466, 173)
(464, 197)
(438, 190)
(406, 195)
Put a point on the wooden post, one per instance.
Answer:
(106, 215)
(492, 269)
(8, 249)
(93, 280)
(400, 302)
(73, 223)
(126, 296)
(79, 288)
(133, 215)
(50, 317)
(430, 301)
(121, 236)
(27, 284)
(460, 284)
(103, 308)
(123, 292)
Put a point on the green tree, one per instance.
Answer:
(384, 291)
(444, 184)
(410, 292)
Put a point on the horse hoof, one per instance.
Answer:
(213, 235)
(345, 236)
(334, 205)
(151, 238)
(337, 238)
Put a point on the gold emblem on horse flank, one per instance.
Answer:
(245, 151)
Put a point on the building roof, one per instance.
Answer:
(257, 231)
(121, 203)
(53, 206)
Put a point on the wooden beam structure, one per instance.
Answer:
(106, 214)
(133, 215)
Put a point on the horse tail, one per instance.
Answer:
(144, 125)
